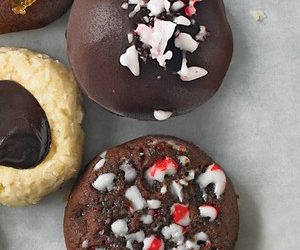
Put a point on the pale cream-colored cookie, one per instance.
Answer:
(54, 87)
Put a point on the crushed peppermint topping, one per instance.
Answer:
(130, 172)
(154, 204)
(153, 243)
(147, 219)
(119, 228)
(174, 232)
(161, 168)
(105, 182)
(160, 23)
(133, 194)
(134, 237)
(209, 211)
(177, 190)
(215, 175)
(181, 214)
(100, 164)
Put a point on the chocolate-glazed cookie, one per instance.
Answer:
(17, 15)
(152, 193)
(24, 128)
(149, 59)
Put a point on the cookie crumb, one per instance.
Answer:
(258, 15)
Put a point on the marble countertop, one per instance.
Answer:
(251, 127)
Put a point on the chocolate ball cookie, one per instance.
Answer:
(152, 193)
(149, 59)
(40, 134)
(17, 15)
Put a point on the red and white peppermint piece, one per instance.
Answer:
(161, 168)
(209, 211)
(181, 214)
(214, 174)
(191, 10)
(153, 243)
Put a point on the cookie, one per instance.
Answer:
(17, 15)
(152, 193)
(151, 59)
(40, 134)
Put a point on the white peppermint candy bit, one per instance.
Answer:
(99, 165)
(133, 194)
(208, 211)
(214, 174)
(157, 38)
(130, 172)
(105, 182)
(134, 237)
(130, 59)
(161, 115)
(85, 244)
(188, 74)
(202, 35)
(184, 160)
(119, 228)
(154, 204)
(198, 237)
(148, 242)
(178, 5)
(147, 219)
(191, 175)
(163, 189)
(124, 6)
(181, 20)
(181, 214)
(161, 168)
(173, 232)
(103, 154)
(130, 37)
(177, 190)
(185, 42)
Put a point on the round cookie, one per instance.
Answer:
(41, 138)
(149, 59)
(152, 193)
(17, 15)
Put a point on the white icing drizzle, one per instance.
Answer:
(130, 37)
(214, 174)
(130, 172)
(173, 232)
(208, 211)
(85, 244)
(156, 7)
(130, 59)
(147, 219)
(182, 20)
(133, 194)
(185, 42)
(134, 237)
(157, 38)
(161, 115)
(119, 228)
(177, 190)
(99, 165)
(178, 5)
(203, 34)
(154, 204)
(188, 74)
(105, 182)
(148, 241)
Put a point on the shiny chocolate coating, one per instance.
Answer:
(24, 129)
(97, 37)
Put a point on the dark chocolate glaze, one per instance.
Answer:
(97, 37)
(24, 128)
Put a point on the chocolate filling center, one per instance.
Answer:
(24, 129)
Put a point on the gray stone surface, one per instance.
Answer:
(251, 127)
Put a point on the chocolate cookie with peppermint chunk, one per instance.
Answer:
(152, 193)
(149, 59)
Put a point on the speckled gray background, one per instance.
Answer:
(251, 127)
